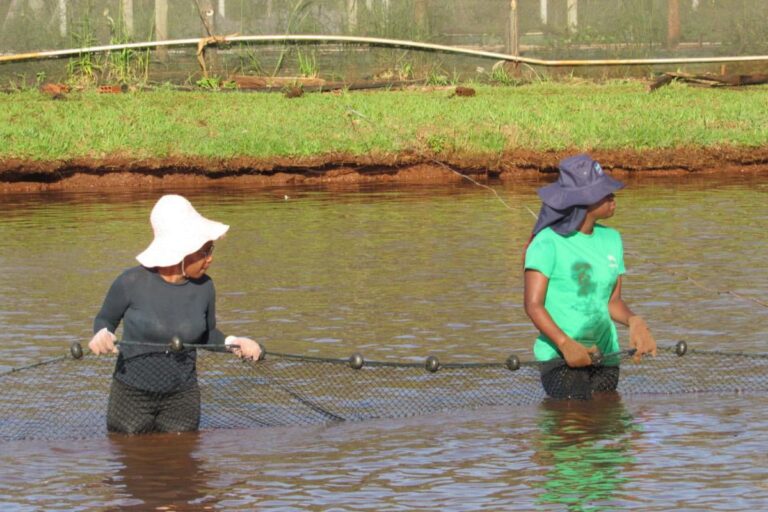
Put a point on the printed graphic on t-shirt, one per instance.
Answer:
(587, 303)
(581, 273)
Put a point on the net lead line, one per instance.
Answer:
(512, 362)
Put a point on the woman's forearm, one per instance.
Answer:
(543, 322)
(535, 295)
(617, 308)
(619, 311)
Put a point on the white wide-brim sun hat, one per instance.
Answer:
(179, 230)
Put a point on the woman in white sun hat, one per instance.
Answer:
(168, 296)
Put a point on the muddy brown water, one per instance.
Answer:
(398, 273)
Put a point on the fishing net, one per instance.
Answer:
(67, 397)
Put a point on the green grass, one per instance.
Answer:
(545, 116)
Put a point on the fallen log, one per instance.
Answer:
(266, 84)
(708, 80)
(261, 82)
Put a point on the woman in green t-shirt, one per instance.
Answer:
(573, 269)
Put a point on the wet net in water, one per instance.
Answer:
(66, 398)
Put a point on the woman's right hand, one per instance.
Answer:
(640, 338)
(576, 354)
(103, 342)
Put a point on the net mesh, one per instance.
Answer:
(67, 398)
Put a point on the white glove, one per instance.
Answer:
(103, 342)
(245, 348)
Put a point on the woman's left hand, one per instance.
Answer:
(640, 338)
(244, 348)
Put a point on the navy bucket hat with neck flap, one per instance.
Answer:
(581, 183)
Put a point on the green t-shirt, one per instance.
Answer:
(582, 272)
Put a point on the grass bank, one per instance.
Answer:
(542, 117)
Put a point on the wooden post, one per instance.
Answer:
(420, 11)
(161, 27)
(8, 15)
(269, 24)
(513, 43)
(63, 18)
(208, 17)
(572, 7)
(673, 23)
(351, 16)
(127, 6)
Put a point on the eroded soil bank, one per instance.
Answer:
(125, 172)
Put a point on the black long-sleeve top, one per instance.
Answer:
(155, 311)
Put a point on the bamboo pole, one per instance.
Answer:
(375, 41)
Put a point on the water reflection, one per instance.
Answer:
(161, 472)
(585, 444)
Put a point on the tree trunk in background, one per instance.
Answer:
(128, 16)
(161, 27)
(673, 23)
(572, 7)
(222, 10)
(513, 41)
(543, 11)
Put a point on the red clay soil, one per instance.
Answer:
(122, 172)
